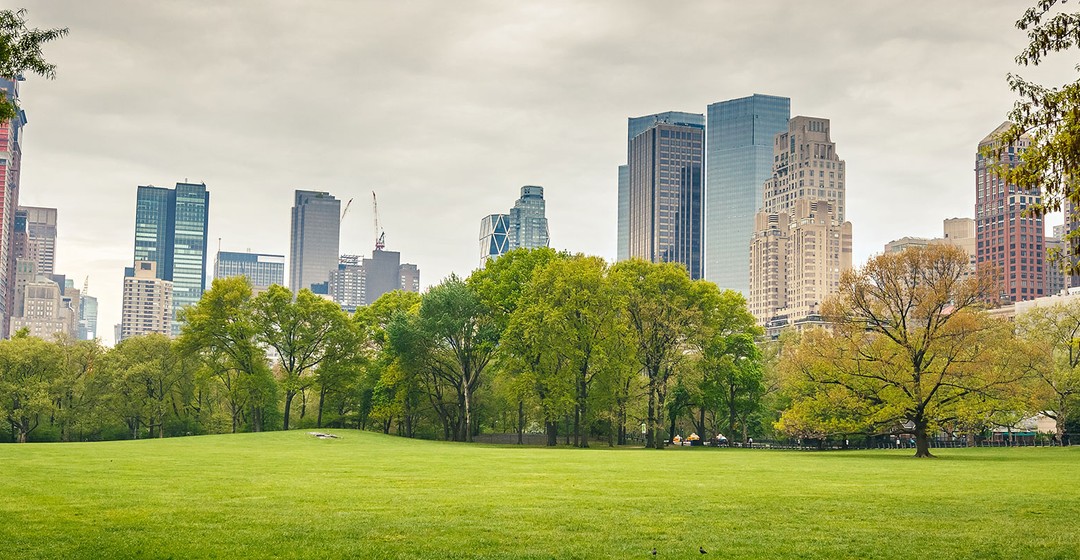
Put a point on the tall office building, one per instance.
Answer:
(45, 313)
(635, 126)
(410, 278)
(40, 239)
(10, 163)
(170, 231)
(738, 160)
(261, 270)
(622, 248)
(314, 238)
(803, 220)
(346, 285)
(494, 236)
(88, 313)
(525, 226)
(665, 207)
(1009, 243)
(147, 303)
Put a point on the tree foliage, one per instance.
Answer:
(20, 52)
(1050, 117)
(909, 350)
(1051, 336)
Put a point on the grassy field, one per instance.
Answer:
(287, 494)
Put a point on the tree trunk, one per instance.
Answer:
(552, 430)
(322, 399)
(521, 422)
(468, 413)
(651, 430)
(922, 441)
(731, 409)
(288, 403)
(661, 396)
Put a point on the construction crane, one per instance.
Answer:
(380, 236)
(346, 210)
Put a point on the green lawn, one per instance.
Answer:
(287, 494)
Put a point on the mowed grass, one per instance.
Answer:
(289, 495)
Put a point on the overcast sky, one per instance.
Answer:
(447, 108)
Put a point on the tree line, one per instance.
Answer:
(569, 346)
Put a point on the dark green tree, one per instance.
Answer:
(20, 52)
(303, 332)
(29, 371)
(1050, 118)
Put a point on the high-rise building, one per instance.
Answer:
(170, 231)
(346, 285)
(45, 312)
(665, 164)
(494, 236)
(382, 273)
(808, 186)
(739, 160)
(261, 270)
(147, 303)
(528, 220)
(314, 238)
(1010, 243)
(40, 237)
(10, 164)
(1056, 281)
(410, 278)
(525, 226)
(88, 306)
(635, 126)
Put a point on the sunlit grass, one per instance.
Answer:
(287, 494)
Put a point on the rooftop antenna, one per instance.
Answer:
(380, 236)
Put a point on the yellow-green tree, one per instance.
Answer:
(1052, 337)
(908, 350)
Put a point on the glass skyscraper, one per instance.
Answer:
(170, 231)
(739, 160)
(635, 126)
(525, 226)
(665, 206)
(314, 240)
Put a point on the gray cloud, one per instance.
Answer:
(446, 108)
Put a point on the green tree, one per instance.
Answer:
(451, 341)
(76, 397)
(396, 389)
(222, 331)
(908, 350)
(1050, 117)
(1052, 334)
(733, 380)
(145, 374)
(575, 309)
(29, 370)
(666, 319)
(303, 332)
(20, 52)
(501, 284)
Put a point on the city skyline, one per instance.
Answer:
(547, 106)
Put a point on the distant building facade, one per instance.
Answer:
(10, 165)
(635, 126)
(807, 185)
(261, 270)
(665, 162)
(314, 238)
(40, 239)
(1009, 243)
(525, 226)
(170, 231)
(360, 281)
(739, 160)
(147, 302)
(45, 313)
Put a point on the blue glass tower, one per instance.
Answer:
(738, 160)
(170, 230)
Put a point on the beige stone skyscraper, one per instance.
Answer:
(801, 241)
(147, 302)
